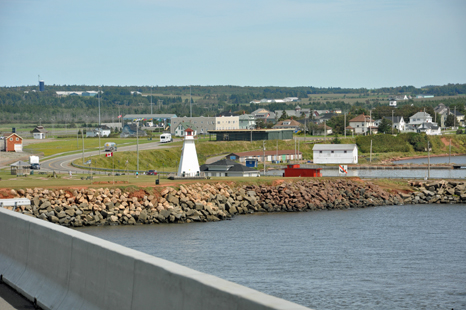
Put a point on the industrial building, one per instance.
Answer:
(252, 135)
(205, 124)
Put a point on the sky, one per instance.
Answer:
(320, 43)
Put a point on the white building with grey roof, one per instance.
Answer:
(335, 154)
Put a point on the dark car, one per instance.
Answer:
(151, 172)
(35, 166)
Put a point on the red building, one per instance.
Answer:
(12, 143)
(295, 170)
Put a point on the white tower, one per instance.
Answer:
(189, 164)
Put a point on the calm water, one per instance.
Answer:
(401, 173)
(459, 160)
(388, 173)
(396, 257)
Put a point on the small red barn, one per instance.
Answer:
(12, 142)
(295, 170)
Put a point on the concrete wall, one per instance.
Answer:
(67, 269)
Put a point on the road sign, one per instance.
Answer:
(109, 154)
(343, 169)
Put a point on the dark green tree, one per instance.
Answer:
(450, 121)
(284, 116)
(385, 126)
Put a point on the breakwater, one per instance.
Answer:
(436, 192)
(202, 202)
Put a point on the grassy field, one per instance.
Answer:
(70, 145)
(168, 159)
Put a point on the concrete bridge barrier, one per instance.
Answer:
(65, 269)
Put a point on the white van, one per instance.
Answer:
(110, 147)
(166, 137)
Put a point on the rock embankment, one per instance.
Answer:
(436, 192)
(214, 202)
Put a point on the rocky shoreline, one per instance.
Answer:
(215, 202)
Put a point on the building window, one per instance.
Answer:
(332, 152)
(344, 152)
(11, 139)
(320, 152)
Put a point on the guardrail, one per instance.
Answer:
(60, 268)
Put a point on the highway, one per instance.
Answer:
(64, 162)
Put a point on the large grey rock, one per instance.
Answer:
(143, 216)
(164, 213)
(173, 199)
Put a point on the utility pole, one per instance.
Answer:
(82, 135)
(277, 150)
(150, 100)
(392, 121)
(370, 160)
(370, 119)
(137, 144)
(454, 124)
(190, 105)
(100, 127)
(449, 158)
(263, 146)
(344, 129)
(428, 160)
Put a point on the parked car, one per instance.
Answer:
(151, 172)
(35, 166)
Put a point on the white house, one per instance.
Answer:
(420, 118)
(397, 122)
(392, 103)
(181, 128)
(430, 129)
(335, 153)
(39, 132)
(102, 132)
(247, 121)
(362, 124)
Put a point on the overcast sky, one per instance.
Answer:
(322, 43)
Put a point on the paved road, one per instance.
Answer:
(64, 162)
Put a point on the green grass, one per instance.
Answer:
(74, 145)
(168, 159)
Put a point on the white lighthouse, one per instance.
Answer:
(189, 164)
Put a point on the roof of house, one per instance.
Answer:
(229, 164)
(334, 147)
(457, 113)
(420, 114)
(287, 122)
(188, 125)
(361, 118)
(39, 129)
(20, 163)
(7, 135)
(428, 125)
